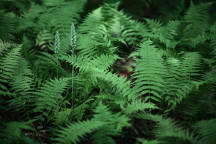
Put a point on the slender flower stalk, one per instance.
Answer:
(73, 36)
(72, 44)
(57, 42)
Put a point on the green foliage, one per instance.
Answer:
(206, 129)
(73, 132)
(49, 97)
(149, 72)
(72, 72)
(13, 132)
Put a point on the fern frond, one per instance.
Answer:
(168, 129)
(61, 15)
(138, 105)
(197, 22)
(149, 72)
(8, 65)
(47, 65)
(207, 130)
(12, 132)
(163, 33)
(44, 39)
(113, 124)
(143, 141)
(93, 19)
(182, 78)
(98, 43)
(8, 22)
(49, 97)
(5, 46)
(75, 131)
(21, 84)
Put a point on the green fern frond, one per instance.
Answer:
(47, 65)
(168, 129)
(12, 132)
(138, 105)
(163, 33)
(88, 25)
(44, 39)
(74, 132)
(98, 43)
(143, 141)
(182, 78)
(114, 124)
(118, 120)
(21, 84)
(65, 13)
(5, 46)
(149, 72)
(8, 65)
(8, 22)
(48, 98)
(197, 22)
(197, 14)
(207, 130)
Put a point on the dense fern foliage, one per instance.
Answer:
(107, 72)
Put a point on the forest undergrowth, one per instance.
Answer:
(107, 72)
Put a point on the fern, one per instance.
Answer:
(113, 124)
(48, 98)
(196, 19)
(8, 22)
(165, 34)
(74, 132)
(182, 79)
(138, 105)
(143, 141)
(167, 129)
(206, 129)
(8, 65)
(12, 133)
(21, 84)
(149, 72)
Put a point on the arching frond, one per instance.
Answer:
(149, 72)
